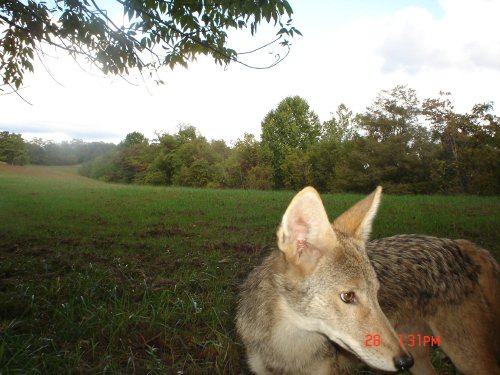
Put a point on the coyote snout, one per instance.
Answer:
(319, 286)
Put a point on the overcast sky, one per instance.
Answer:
(350, 50)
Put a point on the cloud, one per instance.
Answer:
(466, 37)
(480, 54)
(49, 130)
(412, 42)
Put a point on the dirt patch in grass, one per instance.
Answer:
(64, 173)
(29, 170)
(162, 231)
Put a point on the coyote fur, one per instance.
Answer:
(310, 306)
(449, 289)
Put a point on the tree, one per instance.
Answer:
(187, 159)
(103, 167)
(296, 170)
(291, 126)
(341, 127)
(393, 113)
(482, 157)
(131, 159)
(65, 153)
(469, 160)
(248, 165)
(36, 151)
(155, 33)
(395, 151)
(194, 161)
(333, 147)
(134, 138)
(13, 149)
(162, 168)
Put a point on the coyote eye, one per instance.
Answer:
(347, 297)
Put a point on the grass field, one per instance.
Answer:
(102, 278)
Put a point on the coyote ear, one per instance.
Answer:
(357, 220)
(305, 231)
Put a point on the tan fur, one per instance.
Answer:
(291, 307)
(445, 288)
(358, 219)
(489, 281)
(489, 273)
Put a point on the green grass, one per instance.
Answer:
(103, 278)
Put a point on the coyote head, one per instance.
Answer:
(331, 287)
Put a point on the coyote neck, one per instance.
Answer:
(297, 343)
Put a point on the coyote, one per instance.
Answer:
(317, 289)
(312, 307)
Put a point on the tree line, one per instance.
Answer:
(15, 150)
(406, 145)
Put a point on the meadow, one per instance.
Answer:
(100, 278)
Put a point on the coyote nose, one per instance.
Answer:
(403, 362)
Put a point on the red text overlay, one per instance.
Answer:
(410, 340)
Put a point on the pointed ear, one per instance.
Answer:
(305, 231)
(357, 220)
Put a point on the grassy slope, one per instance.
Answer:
(101, 278)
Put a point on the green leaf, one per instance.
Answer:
(163, 7)
(283, 30)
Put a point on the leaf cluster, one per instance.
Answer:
(153, 33)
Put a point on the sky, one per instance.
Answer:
(350, 50)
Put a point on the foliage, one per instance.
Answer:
(185, 159)
(333, 147)
(248, 165)
(393, 113)
(341, 127)
(407, 146)
(289, 128)
(13, 149)
(65, 153)
(396, 151)
(153, 33)
(469, 159)
(132, 158)
(399, 143)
